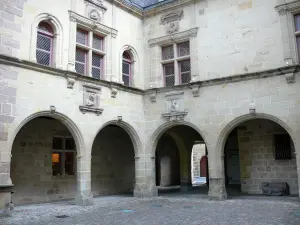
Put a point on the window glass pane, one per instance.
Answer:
(69, 144)
(183, 49)
(168, 52)
(297, 22)
(169, 69)
(43, 42)
(43, 57)
(298, 45)
(97, 42)
(81, 37)
(126, 80)
(185, 66)
(56, 163)
(96, 60)
(57, 143)
(80, 55)
(169, 81)
(126, 56)
(79, 67)
(96, 72)
(185, 78)
(45, 27)
(126, 68)
(69, 163)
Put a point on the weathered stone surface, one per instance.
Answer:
(275, 189)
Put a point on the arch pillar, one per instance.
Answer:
(217, 189)
(84, 194)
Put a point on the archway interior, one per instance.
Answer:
(259, 152)
(174, 158)
(113, 165)
(43, 165)
(199, 164)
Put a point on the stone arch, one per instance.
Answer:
(164, 127)
(129, 130)
(135, 62)
(72, 127)
(238, 120)
(58, 41)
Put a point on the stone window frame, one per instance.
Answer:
(134, 64)
(90, 50)
(287, 11)
(176, 61)
(109, 35)
(190, 36)
(63, 157)
(57, 40)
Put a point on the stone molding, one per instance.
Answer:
(195, 90)
(291, 6)
(176, 37)
(97, 3)
(171, 20)
(26, 64)
(92, 25)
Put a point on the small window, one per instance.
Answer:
(169, 74)
(167, 52)
(63, 156)
(44, 44)
(126, 69)
(185, 71)
(282, 144)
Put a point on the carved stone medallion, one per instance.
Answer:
(91, 97)
(174, 106)
(171, 21)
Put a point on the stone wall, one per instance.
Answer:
(167, 162)
(31, 165)
(113, 166)
(257, 159)
(198, 151)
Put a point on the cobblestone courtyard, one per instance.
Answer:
(162, 210)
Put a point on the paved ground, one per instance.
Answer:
(183, 209)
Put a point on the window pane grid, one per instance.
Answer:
(80, 61)
(183, 49)
(169, 74)
(97, 42)
(96, 66)
(168, 52)
(43, 49)
(82, 37)
(184, 68)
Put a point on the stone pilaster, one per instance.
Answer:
(84, 195)
(145, 185)
(217, 188)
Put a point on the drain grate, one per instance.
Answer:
(62, 216)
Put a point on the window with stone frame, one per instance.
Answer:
(297, 32)
(89, 54)
(176, 64)
(63, 156)
(44, 44)
(126, 68)
(282, 144)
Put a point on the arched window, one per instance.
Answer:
(127, 69)
(44, 44)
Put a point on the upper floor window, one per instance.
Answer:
(297, 32)
(126, 68)
(176, 64)
(89, 54)
(44, 44)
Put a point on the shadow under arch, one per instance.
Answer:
(166, 126)
(72, 127)
(129, 130)
(244, 118)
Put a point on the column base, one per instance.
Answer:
(83, 199)
(217, 189)
(145, 193)
(185, 187)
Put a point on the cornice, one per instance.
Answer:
(128, 7)
(91, 24)
(25, 64)
(30, 65)
(179, 36)
(291, 6)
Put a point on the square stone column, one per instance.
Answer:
(145, 177)
(217, 188)
(298, 167)
(84, 195)
(185, 171)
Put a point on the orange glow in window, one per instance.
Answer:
(55, 157)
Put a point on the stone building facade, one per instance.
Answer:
(89, 88)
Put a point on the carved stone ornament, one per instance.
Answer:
(95, 10)
(290, 78)
(70, 82)
(114, 92)
(171, 21)
(195, 90)
(175, 106)
(91, 97)
(153, 97)
(95, 15)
